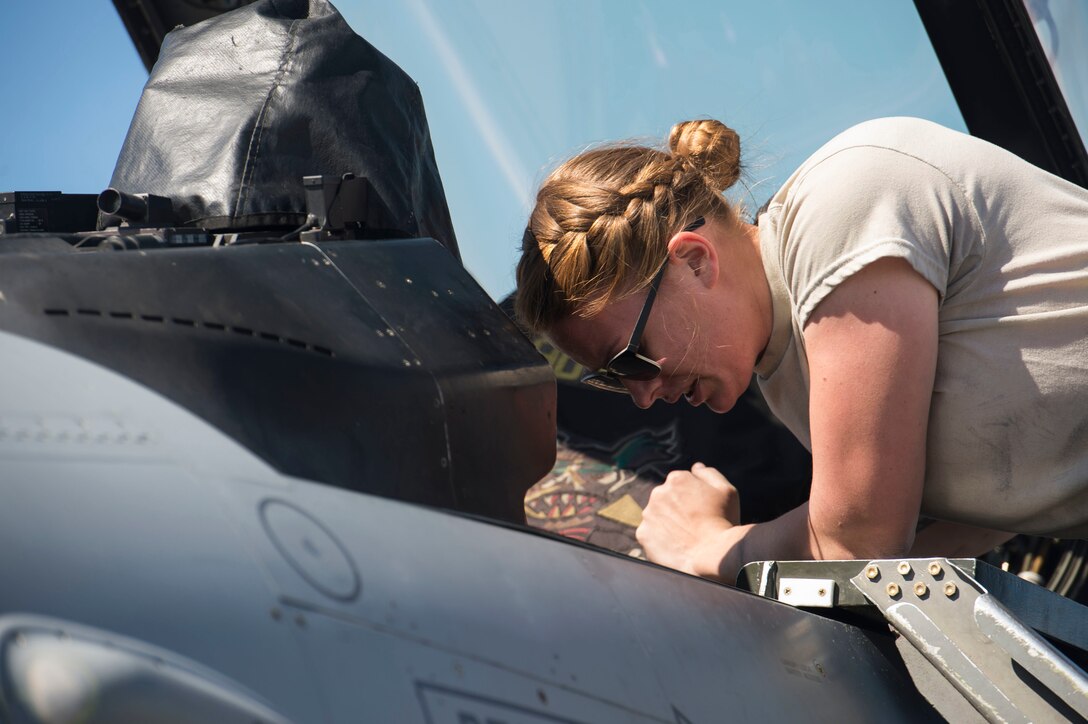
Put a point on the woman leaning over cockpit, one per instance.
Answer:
(913, 304)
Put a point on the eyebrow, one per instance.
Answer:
(555, 344)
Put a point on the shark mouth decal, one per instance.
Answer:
(596, 490)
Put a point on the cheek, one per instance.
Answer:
(689, 342)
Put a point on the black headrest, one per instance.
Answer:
(240, 107)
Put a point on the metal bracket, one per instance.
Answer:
(1007, 671)
(810, 592)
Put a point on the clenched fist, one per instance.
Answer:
(683, 523)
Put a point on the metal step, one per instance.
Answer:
(986, 631)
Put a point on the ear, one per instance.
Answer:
(698, 254)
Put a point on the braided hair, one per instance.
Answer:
(602, 221)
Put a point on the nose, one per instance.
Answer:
(643, 393)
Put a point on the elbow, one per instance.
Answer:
(885, 544)
(861, 538)
(868, 550)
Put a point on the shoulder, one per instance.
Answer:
(899, 149)
(881, 161)
(902, 143)
(886, 145)
(876, 190)
(900, 132)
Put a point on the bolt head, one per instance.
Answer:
(950, 589)
(935, 569)
(872, 573)
(893, 590)
(921, 590)
(903, 567)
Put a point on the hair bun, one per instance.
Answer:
(711, 147)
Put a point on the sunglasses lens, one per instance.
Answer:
(604, 382)
(633, 366)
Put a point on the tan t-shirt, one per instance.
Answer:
(1006, 246)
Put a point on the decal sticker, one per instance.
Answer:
(596, 491)
(564, 367)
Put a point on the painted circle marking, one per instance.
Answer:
(311, 549)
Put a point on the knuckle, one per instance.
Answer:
(676, 476)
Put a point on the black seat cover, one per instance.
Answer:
(240, 107)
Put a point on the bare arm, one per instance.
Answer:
(872, 351)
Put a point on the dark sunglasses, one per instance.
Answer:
(629, 364)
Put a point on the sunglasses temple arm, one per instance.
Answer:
(636, 334)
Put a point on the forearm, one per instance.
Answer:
(784, 538)
(793, 536)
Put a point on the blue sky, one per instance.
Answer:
(513, 87)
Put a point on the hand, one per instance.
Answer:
(683, 522)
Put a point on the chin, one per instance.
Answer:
(721, 402)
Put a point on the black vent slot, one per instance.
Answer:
(193, 323)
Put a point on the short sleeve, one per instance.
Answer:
(861, 204)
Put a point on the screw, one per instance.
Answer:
(893, 590)
(935, 569)
(921, 590)
(872, 573)
(950, 589)
(903, 567)
(822, 592)
(787, 591)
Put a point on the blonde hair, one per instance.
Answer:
(602, 221)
